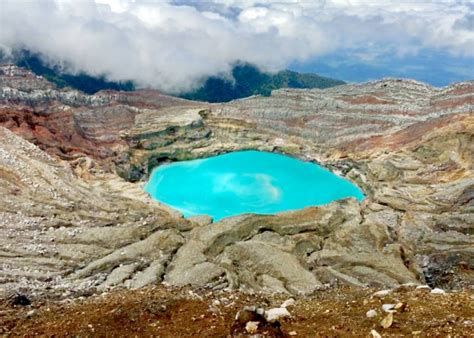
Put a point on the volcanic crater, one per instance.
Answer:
(75, 219)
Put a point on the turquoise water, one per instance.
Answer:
(246, 182)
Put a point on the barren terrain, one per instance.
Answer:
(170, 312)
(74, 219)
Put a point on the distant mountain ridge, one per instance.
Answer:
(82, 81)
(248, 80)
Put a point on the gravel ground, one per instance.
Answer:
(170, 312)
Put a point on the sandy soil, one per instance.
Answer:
(166, 312)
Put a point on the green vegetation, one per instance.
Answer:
(83, 82)
(247, 80)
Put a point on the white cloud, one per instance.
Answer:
(173, 44)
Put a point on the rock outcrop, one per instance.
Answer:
(72, 220)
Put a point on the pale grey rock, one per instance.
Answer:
(288, 302)
(190, 266)
(119, 275)
(375, 334)
(382, 293)
(388, 307)
(271, 284)
(438, 291)
(251, 327)
(71, 225)
(201, 220)
(151, 275)
(251, 258)
(276, 314)
(371, 313)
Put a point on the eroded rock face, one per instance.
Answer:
(343, 115)
(70, 223)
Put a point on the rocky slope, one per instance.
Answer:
(72, 221)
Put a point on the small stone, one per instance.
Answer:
(387, 321)
(388, 307)
(276, 314)
(292, 333)
(21, 300)
(423, 287)
(409, 285)
(375, 334)
(250, 308)
(438, 291)
(400, 306)
(30, 313)
(288, 302)
(216, 302)
(382, 293)
(251, 327)
(371, 313)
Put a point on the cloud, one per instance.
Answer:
(172, 45)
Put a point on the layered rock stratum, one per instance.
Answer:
(74, 217)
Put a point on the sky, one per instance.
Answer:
(173, 45)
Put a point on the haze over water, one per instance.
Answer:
(246, 182)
